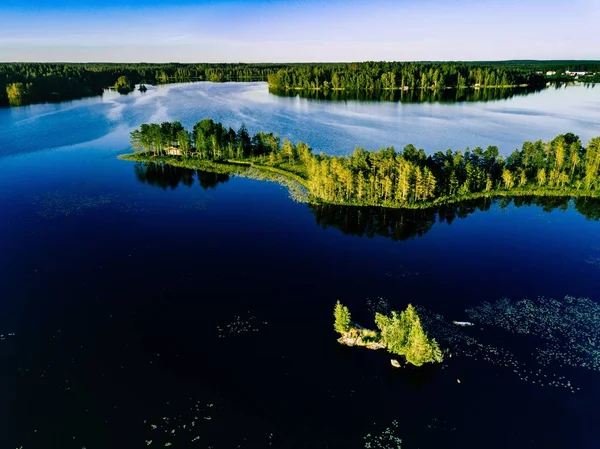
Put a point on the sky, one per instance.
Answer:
(297, 30)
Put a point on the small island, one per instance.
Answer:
(124, 85)
(408, 179)
(400, 333)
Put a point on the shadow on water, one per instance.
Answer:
(166, 176)
(405, 224)
(411, 96)
(395, 224)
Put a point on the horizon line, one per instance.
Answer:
(301, 62)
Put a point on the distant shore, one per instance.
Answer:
(30, 83)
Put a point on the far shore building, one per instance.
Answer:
(569, 73)
(550, 73)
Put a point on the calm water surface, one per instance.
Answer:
(331, 127)
(145, 307)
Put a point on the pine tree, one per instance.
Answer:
(541, 177)
(403, 334)
(418, 350)
(342, 318)
(394, 331)
(508, 179)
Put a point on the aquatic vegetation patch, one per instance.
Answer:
(134, 207)
(401, 272)
(180, 429)
(196, 423)
(6, 336)
(297, 192)
(378, 305)
(593, 260)
(470, 343)
(57, 204)
(460, 343)
(385, 439)
(561, 333)
(568, 328)
(437, 424)
(200, 204)
(240, 324)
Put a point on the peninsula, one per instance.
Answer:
(408, 178)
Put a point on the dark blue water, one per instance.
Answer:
(209, 305)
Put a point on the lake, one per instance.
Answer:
(153, 306)
(331, 127)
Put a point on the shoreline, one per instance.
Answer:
(394, 89)
(287, 89)
(233, 167)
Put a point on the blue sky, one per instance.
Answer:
(297, 30)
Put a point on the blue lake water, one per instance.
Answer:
(331, 127)
(137, 301)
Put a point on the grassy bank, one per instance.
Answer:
(294, 176)
(295, 184)
(498, 193)
(229, 168)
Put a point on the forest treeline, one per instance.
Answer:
(26, 83)
(408, 178)
(409, 96)
(573, 65)
(372, 76)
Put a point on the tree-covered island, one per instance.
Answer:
(403, 76)
(389, 178)
(400, 333)
(432, 75)
(124, 85)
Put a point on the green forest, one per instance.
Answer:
(124, 85)
(27, 83)
(408, 76)
(371, 76)
(408, 178)
(410, 96)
